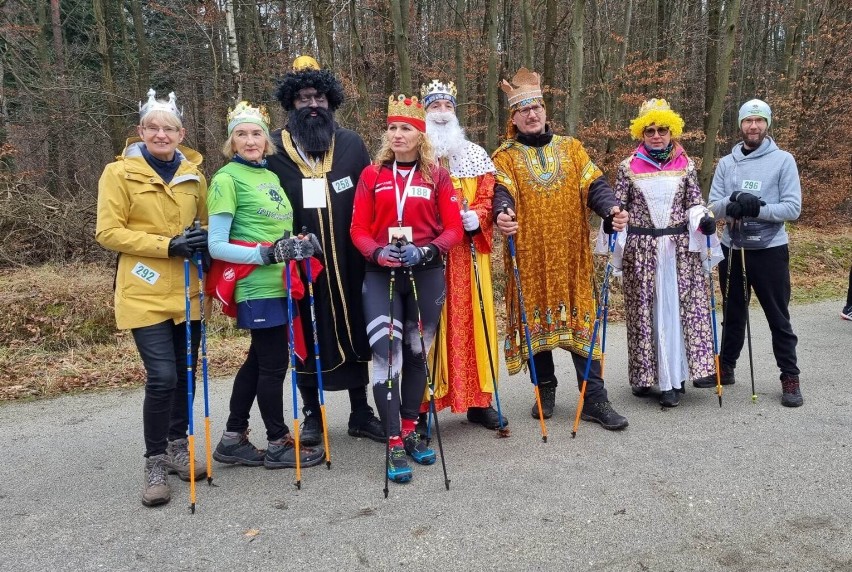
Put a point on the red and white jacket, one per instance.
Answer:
(431, 209)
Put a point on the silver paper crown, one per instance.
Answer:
(153, 105)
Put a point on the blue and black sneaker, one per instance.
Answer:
(418, 449)
(398, 469)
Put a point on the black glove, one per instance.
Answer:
(734, 210)
(389, 256)
(196, 238)
(310, 246)
(707, 225)
(179, 247)
(282, 250)
(751, 204)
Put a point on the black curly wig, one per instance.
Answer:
(321, 80)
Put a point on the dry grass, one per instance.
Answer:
(57, 331)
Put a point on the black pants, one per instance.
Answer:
(262, 376)
(849, 291)
(162, 347)
(408, 369)
(546, 373)
(768, 274)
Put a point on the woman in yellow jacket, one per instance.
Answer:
(147, 199)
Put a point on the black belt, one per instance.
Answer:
(657, 232)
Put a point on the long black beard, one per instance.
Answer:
(312, 134)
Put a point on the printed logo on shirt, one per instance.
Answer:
(275, 197)
(341, 185)
(419, 192)
(749, 185)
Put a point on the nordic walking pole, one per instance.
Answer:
(611, 245)
(436, 345)
(389, 382)
(429, 380)
(598, 312)
(189, 389)
(291, 346)
(502, 431)
(713, 323)
(199, 260)
(510, 241)
(317, 357)
(748, 325)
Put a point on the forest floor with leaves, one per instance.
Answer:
(57, 331)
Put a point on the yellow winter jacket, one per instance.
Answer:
(138, 214)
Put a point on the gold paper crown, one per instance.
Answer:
(657, 112)
(305, 63)
(525, 85)
(152, 104)
(407, 109)
(437, 90)
(243, 112)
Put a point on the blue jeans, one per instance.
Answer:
(162, 348)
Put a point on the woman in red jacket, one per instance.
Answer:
(406, 217)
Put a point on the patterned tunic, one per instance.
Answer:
(550, 186)
(669, 335)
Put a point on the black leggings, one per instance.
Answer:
(165, 416)
(408, 371)
(262, 376)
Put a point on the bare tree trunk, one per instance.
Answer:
(233, 50)
(56, 27)
(528, 58)
(491, 97)
(399, 13)
(6, 159)
(461, 81)
(711, 57)
(549, 64)
(143, 76)
(793, 45)
(359, 66)
(321, 12)
(715, 116)
(576, 95)
(619, 65)
(116, 135)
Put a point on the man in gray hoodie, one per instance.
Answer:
(757, 188)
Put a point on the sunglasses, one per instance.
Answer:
(651, 131)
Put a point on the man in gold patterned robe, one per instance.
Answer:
(548, 186)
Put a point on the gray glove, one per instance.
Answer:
(282, 250)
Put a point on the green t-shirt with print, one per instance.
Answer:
(262, 213)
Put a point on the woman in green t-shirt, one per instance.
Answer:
(250, 223)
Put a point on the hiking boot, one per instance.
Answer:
(548, 401)
(846, 312)
(792, 393)
(177, 460)
(155, 489)
(645, 391)
(418, 449)
(238, 450)
(487, 417)
(311, 431)
(603, 413)
(708, 381)
(398, 469)
(372, 429)
(281, 454)
(670, 398)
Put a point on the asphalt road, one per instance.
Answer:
(745, 487)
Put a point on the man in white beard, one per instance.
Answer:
(470, 386)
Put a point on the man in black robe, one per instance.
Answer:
(318, 163)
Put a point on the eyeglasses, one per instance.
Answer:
(525, 112)
(318, 98)
(652, 131)
(153, 130)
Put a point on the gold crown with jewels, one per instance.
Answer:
(244, 112)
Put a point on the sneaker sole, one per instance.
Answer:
(585, 417)
(846, 317)
(289, 465)
(401, 478)
(155, 502)
(184, 475)
(424, 460)
(228, 460)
